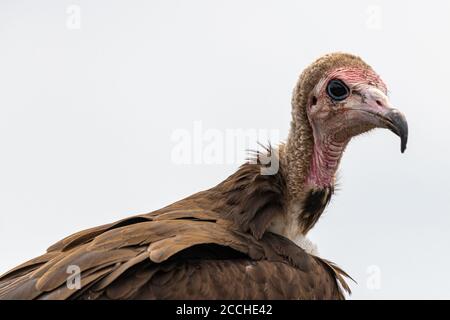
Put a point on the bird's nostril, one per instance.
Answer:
(379, 103)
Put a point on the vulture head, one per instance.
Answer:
(337, 97)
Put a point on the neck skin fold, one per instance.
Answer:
(310, 159)
(326, 156)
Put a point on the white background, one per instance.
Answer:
(87, 118)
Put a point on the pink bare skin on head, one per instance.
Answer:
(354, 76)
(346, 103)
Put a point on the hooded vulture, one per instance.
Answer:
(244, 238)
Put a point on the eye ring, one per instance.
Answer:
(337, 90)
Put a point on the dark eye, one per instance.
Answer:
(337, 90)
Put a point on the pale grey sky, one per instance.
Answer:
(90, 107)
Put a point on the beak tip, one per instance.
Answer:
(403, 145)
(399, 126)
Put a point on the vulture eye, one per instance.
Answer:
(337, 90)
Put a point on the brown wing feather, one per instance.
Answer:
(220, 279)
(212, 245)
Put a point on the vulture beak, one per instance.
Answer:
(379, 112)
(396, 122)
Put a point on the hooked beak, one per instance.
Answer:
(396, 122)
(380, 113)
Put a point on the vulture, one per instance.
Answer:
(245, 238)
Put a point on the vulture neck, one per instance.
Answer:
(309, 168)
(309, 162)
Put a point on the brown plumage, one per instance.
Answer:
(233, 241)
